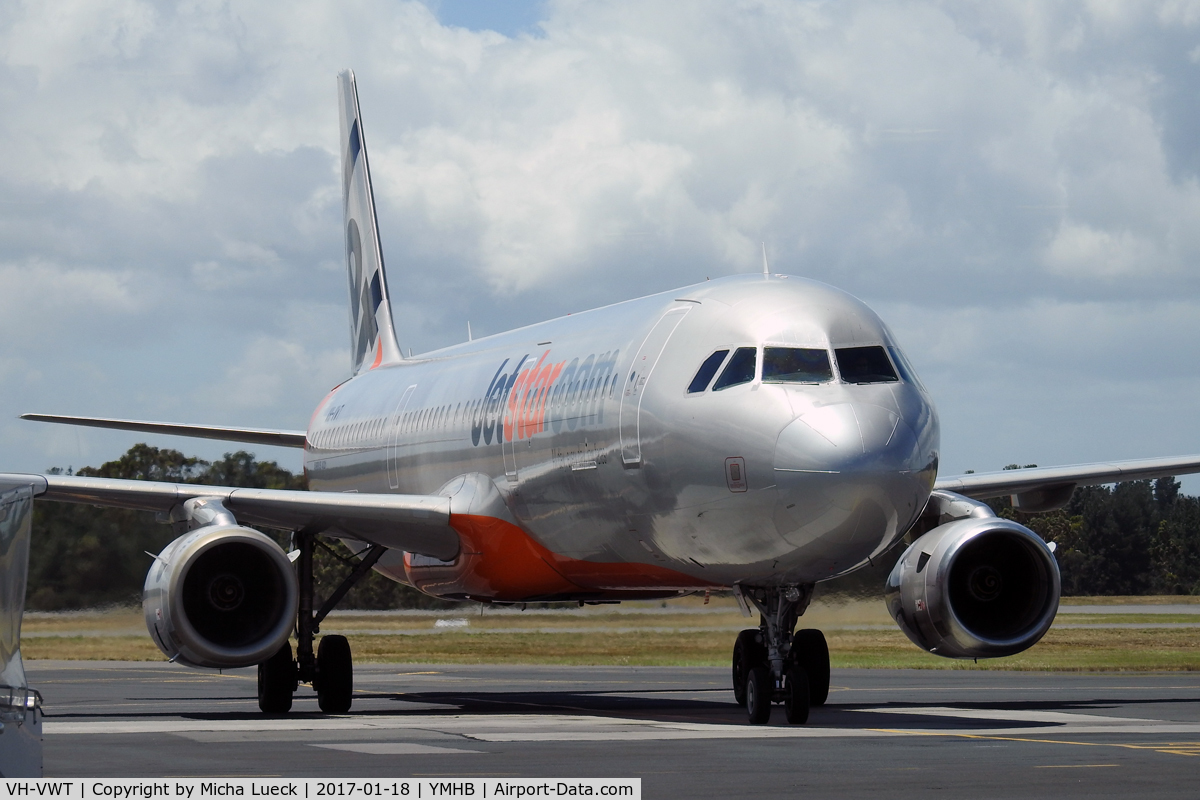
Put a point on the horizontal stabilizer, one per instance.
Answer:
(224, 433)
(981, 485)
(417, 523)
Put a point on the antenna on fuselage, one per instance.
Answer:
(469, 338)
(766, 270)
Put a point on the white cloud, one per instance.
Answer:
(271, 372)
(244, 262)
(43, 303)
(1180, 12)
(1083, 251)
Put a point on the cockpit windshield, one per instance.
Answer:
(865, 365)
(809, 365)
(740, 369)
(795, 365)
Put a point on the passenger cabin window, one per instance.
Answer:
(740, 368)
(704, 375)
(796, 365)
(865, 365)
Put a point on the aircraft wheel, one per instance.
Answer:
(747, 654)
(335, 675)
(277, 682)
(758, 695)
(795, 700)
(810, 652)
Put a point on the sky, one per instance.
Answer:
(1012, 186)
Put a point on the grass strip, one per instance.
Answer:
(1133, 600)
(91, 648)
(1061, 650)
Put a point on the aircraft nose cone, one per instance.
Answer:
(848, 482)
(846, 437)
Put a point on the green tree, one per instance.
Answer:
(241, 469)
(82, 556)
(1175, 551)
(145, 463)
(1111, 554)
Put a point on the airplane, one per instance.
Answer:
(755, 433)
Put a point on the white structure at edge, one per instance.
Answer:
(20, 706)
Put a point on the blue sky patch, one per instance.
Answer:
(509, 17)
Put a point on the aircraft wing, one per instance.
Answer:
(981, 485)
(417, 523)
(278, 438)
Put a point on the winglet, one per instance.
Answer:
(372, 334)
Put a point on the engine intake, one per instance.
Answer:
(220, 596)
(975, 588)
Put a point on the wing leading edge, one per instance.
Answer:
(278, 438)
(417, 523)
(1047, 484)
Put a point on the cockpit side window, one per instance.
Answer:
(796, 365)
(704, 375)
(865, 365)
(740, 369)
(907, 373)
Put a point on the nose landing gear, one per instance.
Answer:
(771, 665)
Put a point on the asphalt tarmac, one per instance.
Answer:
(883, 734)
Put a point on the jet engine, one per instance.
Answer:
(980, 587)
(220, 596)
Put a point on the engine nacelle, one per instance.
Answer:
(221, 596)
(981, 587)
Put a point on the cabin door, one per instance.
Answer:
(635, 382)
(393, 450)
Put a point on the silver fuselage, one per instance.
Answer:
(585, 427)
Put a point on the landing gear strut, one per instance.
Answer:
(331, 669)
(771, 665)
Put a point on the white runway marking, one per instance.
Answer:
(394, 748)
(1047, 717)
(581, 728)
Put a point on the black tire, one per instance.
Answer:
(335, 675)
(758, 695)
(277, 682)
(795, 701)
(748, 653)
(810, 652)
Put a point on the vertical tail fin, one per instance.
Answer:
(372, 335)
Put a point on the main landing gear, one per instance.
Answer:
(331, 670)
(773, 665)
